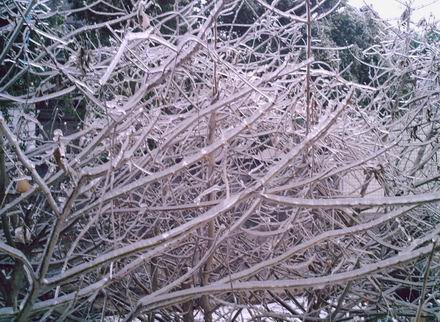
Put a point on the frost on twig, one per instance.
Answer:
(209, 163)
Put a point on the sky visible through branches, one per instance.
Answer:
(393, 9)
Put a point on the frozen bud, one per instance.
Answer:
(144, 20)
(57, 134)
(23, 185)
(22, 235)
